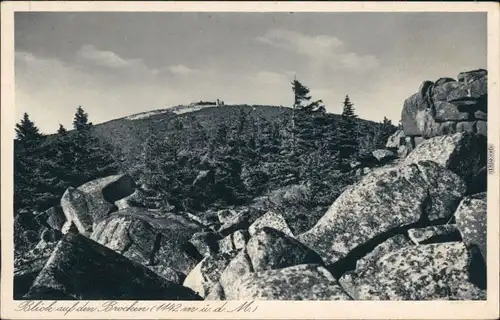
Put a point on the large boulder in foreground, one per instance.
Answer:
(94, 200)
(74, 205)
(301, 282)
(82, 269)
(462, 153)
(129, 236)
(424, 272)
(471, 221)
(268, 249)
(147, 240)
(383, 200)
(102, 193)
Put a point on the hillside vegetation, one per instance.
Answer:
(294, 161)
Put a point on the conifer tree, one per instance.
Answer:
(348, 110)
(87, 157)
(26, 131)
(62, 130)
(33, 181)
(80, 121)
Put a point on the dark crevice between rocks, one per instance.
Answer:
(117, 190)
(442, 238)
(248, 260)
(113, 209)
(348, 263)
(155, 249)
(477, 267)
(191, 251)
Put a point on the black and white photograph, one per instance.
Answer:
(217, 156)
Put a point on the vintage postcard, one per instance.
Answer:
(250, 160)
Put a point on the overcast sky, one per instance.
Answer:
(117, 64)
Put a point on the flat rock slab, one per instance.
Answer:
(425, 272)
(383, 200)
(82, 269)
(301, 282)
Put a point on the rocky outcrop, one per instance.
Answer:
(438, 107)
(151, 242)
(446, 107)
(383, 200)
(102, 193)
(271, 220)
(425, 272)
(80, 268)
(74, 205)
(129, 236)
(471, 222)
(462, 153)
(93, 201)
(268, 249)
(301, 282)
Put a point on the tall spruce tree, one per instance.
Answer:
(347, 133)
(26, 131)
(33, 180)
(81, 120)
(348, 110)
(88, 157)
